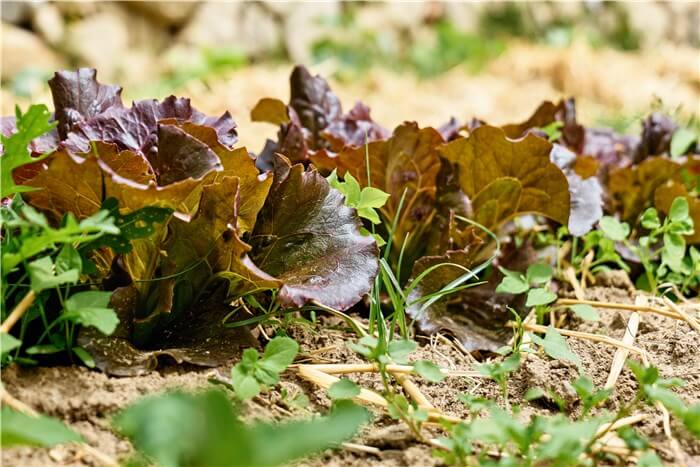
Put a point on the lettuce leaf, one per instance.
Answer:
(408, 162)
(313, 122)
(231, 222)
(308, 239)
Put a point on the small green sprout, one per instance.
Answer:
(252, 374)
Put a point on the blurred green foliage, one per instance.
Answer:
(357, 49)
(443, 45)
(520, 20)
(207, 64)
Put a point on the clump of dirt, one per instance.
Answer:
(86, 400)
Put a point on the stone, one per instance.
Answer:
(650, 21)
(122, 46)
(15, 12)
(247, 27)
(99, 41)
(212, 24)
(303, 27)
(48, 22)
(465, 16)
(22, 50)
(260, 33)
(279, 8)
(166, 13)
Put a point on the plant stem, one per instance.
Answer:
(620, 306)
(621, 413)
(18, 312)
(356, 326)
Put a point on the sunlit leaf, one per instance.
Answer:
(15, 147)
(310, 241)
(429, 370)
(19, 429)
(614, 229)
(682, 140)
(555, 346)
(343, 389)
(585, 312)
(90, 308)
(487, 155)
(539, 273)
(539, 297)
(8, 342)
(178, 429)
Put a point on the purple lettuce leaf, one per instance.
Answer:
(313, 122)
(307, 238)
(657, 131)
(77, 95)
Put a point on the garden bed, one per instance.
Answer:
(86, 399)
(521, 293)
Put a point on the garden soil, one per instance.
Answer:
(86, 400)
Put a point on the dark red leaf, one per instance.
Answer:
(307, 238)
(77, 95)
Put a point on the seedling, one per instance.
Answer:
(20, 429)
(365, 200)
(45, 263)
(205, 429)
(667, 261)
(534, 282)
(589, 395)
(253, 373)
(343, 389)
(556, 439)
(555, 345)
(382, 353)
(500, 372)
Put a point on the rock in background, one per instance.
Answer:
(134, 42)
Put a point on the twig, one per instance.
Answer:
(264, 334)
(11, 401)
(454, 342)
(309, 373)
(581, 335)
(614, 445)
(586, 269)
(620, 306)
(99, 455)
(526, 340)
(320, 378)
(361, 448)
(18, 311)
(345, 368)
(570, 275)
(631, 420)
(621, 354)
(413, 390)
(689, 319)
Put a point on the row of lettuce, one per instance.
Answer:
(120, 222)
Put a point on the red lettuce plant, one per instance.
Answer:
(243, 224)
(254, 230)
(438, 178)
(635, 171)
(313, 122)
